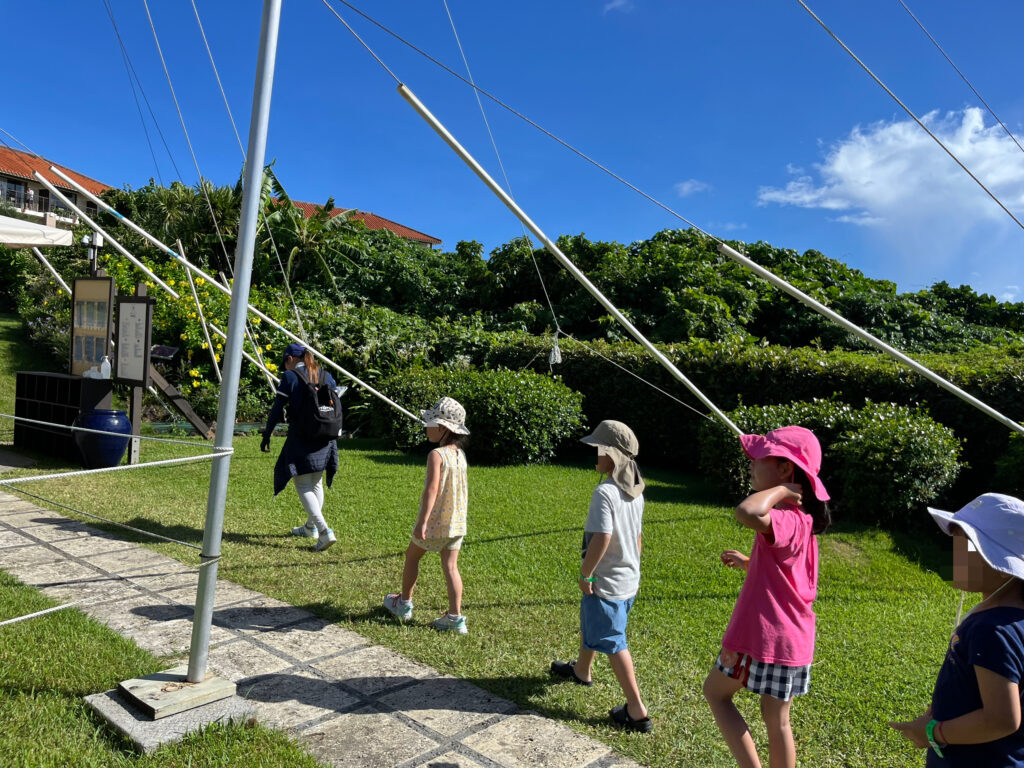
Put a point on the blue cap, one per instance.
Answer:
(293, 350)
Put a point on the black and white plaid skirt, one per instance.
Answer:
(777, 680)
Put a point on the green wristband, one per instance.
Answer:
(590, 579)
(929, 731)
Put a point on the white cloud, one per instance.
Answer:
(618, 5)
(691, 187)
(725, 226)
(923, 217)
(891, 170)
(1010, 293)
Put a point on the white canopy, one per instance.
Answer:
(15, 233)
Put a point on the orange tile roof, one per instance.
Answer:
(372, 222)
(21, 164)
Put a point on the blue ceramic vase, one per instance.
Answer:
(100, 451)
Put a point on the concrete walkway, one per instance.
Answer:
(348, 702)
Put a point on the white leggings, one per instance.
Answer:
(311, 495)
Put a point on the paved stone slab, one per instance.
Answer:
(288, 699)
(240, 659)
(451, 760)
(532, 740)
(86, 546)
(148, 735)
(16, 557)
(173, 637)
(311, 639)
(366, 739)
(56, 577)
(138, 561)
(374, 669)
(260, 615)
(448, 705)
(12, 539)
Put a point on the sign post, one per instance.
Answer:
(134, 334)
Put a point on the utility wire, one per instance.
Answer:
(184, 129)
(962, 75)
(915, 118)
(128, 59)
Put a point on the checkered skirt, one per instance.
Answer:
(777, 680)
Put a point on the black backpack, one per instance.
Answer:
(318, 417)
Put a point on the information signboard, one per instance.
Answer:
(134, 331)
(91, 313)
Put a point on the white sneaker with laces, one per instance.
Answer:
(325, 540)
(304, 531)
(448, 623)
(398, 607)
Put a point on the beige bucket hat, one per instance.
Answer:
(615, 439)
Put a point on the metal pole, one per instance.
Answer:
(468, 159)
(203, 621)
(202, 321)
(97, 228)
(49, 266)
(859, 332)
(227, 291)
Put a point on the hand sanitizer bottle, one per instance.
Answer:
(105, 368)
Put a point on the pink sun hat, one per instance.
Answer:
(796, 444)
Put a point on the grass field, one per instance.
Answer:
(884, 611)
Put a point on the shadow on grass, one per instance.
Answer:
(927, 547)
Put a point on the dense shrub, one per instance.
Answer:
(1009, 471)
(515, 417)
(733, 374)
(881, 463)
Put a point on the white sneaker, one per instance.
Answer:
(304, 530)
(398, 607)
(448, 623)
(325, 540)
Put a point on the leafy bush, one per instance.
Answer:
(1009, 470)
(733, 374)
(881, 463)
(515, 417)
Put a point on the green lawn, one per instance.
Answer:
(884, 612)
(49, 663)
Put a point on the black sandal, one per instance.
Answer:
(620, 716)
(567, 671)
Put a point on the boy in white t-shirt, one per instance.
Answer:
(610, 571)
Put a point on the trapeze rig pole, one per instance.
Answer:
(225, 290)
(859, 332)
(555, 251)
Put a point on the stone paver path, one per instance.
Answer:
(348, 702)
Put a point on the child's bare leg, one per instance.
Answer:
(411, 570)
(452, 578)
(781, 749)
(622, 666)
(719, 690)
(584, 666)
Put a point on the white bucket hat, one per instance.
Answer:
(447, 412)
(994, 524)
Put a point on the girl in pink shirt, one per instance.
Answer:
(768, 646)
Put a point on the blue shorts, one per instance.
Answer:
(603, 623)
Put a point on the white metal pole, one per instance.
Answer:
(97, 228)
(45, 263)
(203, 616)
(859, 332)
(227, 291)
(555, 251)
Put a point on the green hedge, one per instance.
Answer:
(514, 417)
(881, 464)
(735, 374)
(1009, 471)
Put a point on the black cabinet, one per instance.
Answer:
(56, 398)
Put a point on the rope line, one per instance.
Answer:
(127, 527)
(914, 117)
(10, 482)
(73, 428)
(962, 75)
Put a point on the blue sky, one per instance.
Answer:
(743, 116)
